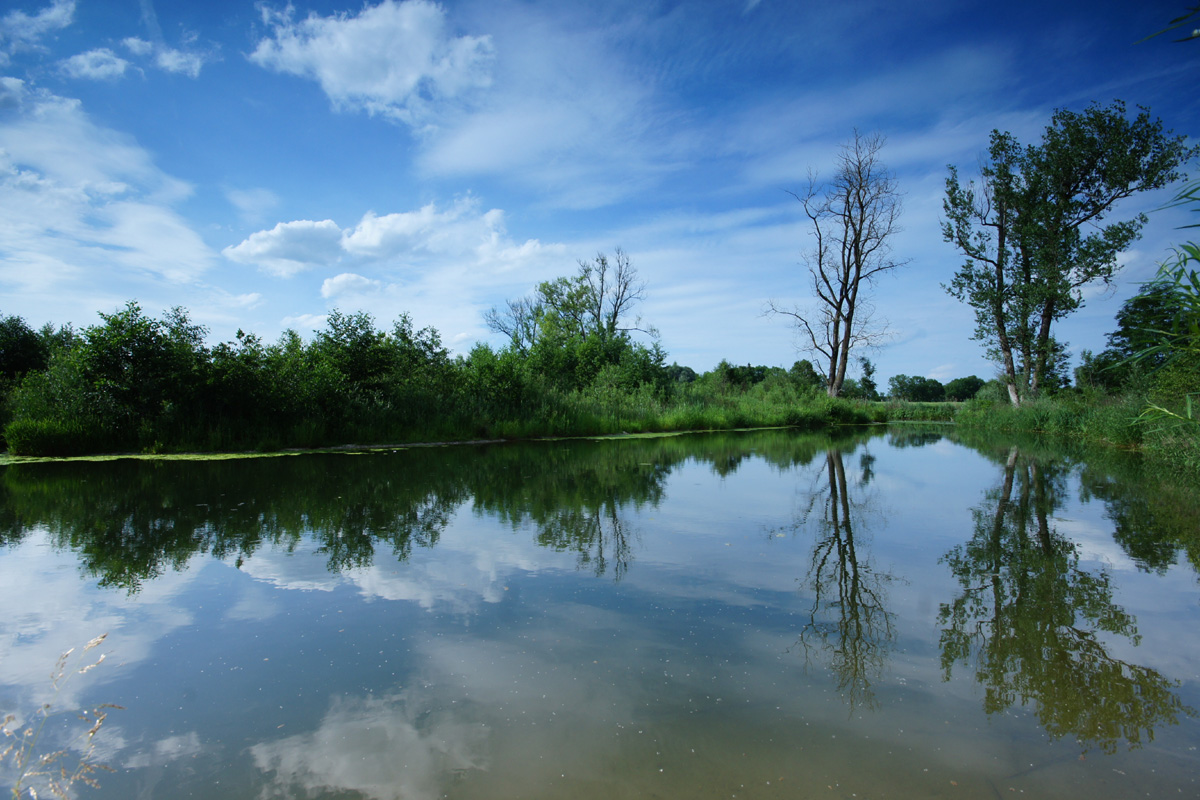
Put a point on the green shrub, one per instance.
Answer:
(51, 437)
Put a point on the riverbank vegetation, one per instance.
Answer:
(144, 384)
(134, 383)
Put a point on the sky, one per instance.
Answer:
(261, 163)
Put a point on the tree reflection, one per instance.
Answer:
(129, 521)
(849, 617)
(1033, 620)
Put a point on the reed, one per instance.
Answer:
(54, 772)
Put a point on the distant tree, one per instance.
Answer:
(961, 389)
(574, 327)
(1032, 234)
(915, 388)
(598, 300)
(803, 373)
(853, 219)
(678, 374)
(870, 391)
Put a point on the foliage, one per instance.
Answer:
(1179, 22)
(961, 389)
(1029, 616)
(853, 218)
(916, 388)
(1032, 234)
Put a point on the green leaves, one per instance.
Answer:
(1033, 233)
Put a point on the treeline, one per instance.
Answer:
(143, 384)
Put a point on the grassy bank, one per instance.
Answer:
(1120, 421)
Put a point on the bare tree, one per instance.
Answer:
(853, 218)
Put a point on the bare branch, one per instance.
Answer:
(853, 219)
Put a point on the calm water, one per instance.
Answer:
(880, 615)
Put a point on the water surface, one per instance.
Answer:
(875, 614)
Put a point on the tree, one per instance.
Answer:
(961, 389)
(805, 375)
(853, 220)
(573, 327)
(21, 349)
(916, 389)
(870, 391)
(599, 299)
(1032, 235)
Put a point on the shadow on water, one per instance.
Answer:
(1032, 621)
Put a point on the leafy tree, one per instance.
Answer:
(22, 350)
(916, 389)
(805, 375)
(678, 374)
(1032, 234)
(574, 327)
(961, 389)
(139, 366)
(870, 391)
(853, 219)
(599, 299)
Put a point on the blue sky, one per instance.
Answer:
(262, 163)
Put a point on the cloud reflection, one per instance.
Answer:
(386, 748)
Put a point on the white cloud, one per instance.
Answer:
(20, 30)
(173, 60)
(391, 59)
(139, 47)
(307, 322)
(429, 236)
(253, 204)
(186, 61)
(460, 230)
(290, 247)
(99, 65)
(348, 283)
(87, 213)
(383, 748)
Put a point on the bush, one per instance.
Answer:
(51, 437)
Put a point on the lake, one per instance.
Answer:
(898, 612)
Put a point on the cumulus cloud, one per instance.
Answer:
(427, 236)
(348, 283)
(101, 64)
(393, 59)
(290, 247)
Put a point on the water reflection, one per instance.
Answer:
(848, 618)
(381, 748)
(129, 521)
(1033, 621)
